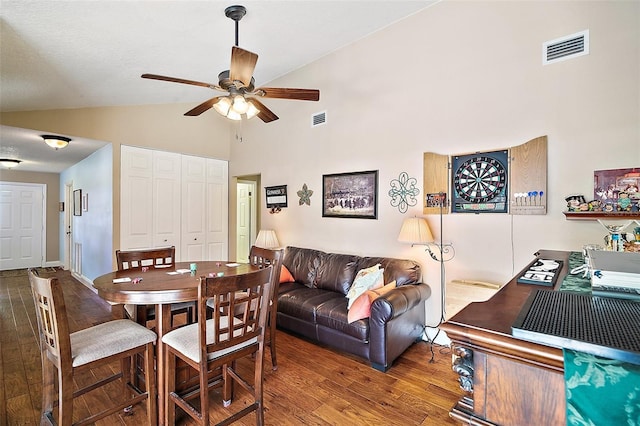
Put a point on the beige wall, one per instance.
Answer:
(162, 127)
(457, 78)
(52, 181)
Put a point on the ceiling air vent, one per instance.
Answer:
(564, 48)
(319, 119)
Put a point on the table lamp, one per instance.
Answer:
(267, 239)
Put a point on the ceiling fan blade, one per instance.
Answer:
(282, 93)
(181, 80)
(205, 106)
(265, 113)
(243, 63)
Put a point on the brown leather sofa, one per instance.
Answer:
(315, 305)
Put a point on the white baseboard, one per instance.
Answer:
(85, 281)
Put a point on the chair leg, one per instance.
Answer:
(257, 389)
(227, 385)
(65, 397)
(125, 367)
(149, 378)
(169, 386)
(48, 385)
(272, 337)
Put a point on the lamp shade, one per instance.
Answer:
(415, 230)
(267, 239)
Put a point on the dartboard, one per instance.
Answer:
(480, 179)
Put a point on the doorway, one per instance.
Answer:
(23, 227)
(247, 218)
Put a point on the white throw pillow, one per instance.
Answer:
(366, 279)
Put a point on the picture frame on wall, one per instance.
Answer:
(77, 202)
(350, 195)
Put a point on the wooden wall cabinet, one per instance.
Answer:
(527, 173)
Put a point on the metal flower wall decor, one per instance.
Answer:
(403, 192)
(305, 195)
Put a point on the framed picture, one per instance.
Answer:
(276, 196)
(352, 195)
(77, 202)
(85, 202)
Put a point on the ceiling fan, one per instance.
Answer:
(238, 81)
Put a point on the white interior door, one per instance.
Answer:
(217, 209)
(245, 223)
(22, 225)
(193, 208)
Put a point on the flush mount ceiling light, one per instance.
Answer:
(56, 142)
(9, 163)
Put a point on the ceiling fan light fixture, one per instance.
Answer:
(233, 115)
(222, 106)
(240, 104)
(252, 111)
(9, 163)
(56, 142)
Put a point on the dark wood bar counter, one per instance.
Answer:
(505, 380)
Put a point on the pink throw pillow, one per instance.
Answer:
(361, 307)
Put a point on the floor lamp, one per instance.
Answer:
(415, 231)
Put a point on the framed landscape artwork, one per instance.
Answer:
(350, 195)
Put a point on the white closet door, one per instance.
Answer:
(217, 220)
(21, 225)
(136, 198)
(166, 200)
(193, 208)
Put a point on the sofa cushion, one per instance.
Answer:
(315, 268)
(333, 314)
(336, 272)
(401, 270)
(302, 302)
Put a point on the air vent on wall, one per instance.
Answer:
(318, 119)
(564, 48)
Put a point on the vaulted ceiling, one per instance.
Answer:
(75, 54)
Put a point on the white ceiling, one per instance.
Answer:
(87, 53)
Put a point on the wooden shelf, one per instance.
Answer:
(601, 215)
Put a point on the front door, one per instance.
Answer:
(21, 225)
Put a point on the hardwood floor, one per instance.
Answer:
(313, 385)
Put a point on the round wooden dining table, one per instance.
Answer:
(161, 287)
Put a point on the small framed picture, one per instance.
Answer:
(350, 195)
(85, 202)
(77, 202)
(276, 196)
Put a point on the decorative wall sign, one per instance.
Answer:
(479, 182)
(305, 195)
(276, 196)
(77, 202)
(403, 192)
(353, 195)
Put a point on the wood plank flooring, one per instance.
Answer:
(313, 385)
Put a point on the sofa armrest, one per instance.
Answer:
(397, 320)
(397, 302)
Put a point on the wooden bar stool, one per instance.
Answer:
(70, 353)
